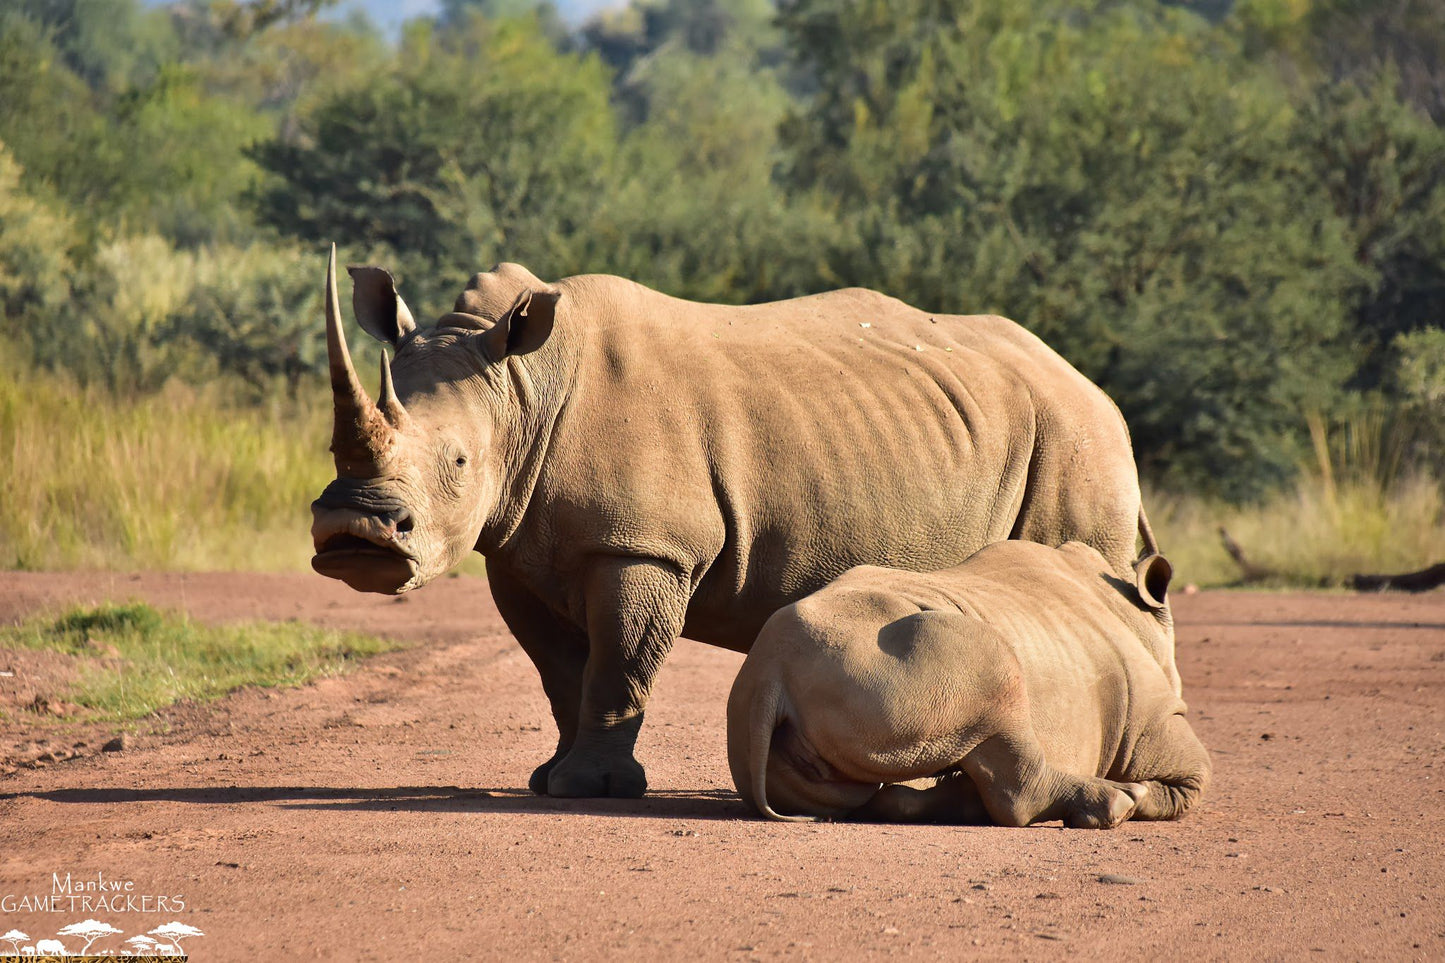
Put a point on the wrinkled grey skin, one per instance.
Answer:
(636, 467)
(1019, 687)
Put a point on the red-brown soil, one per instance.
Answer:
(381, 814)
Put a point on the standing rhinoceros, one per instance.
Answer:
(636, 467)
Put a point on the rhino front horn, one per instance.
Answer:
(360, 436)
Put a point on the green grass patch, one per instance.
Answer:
(139, 659)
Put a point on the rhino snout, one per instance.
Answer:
(333, 528)
(369, 552)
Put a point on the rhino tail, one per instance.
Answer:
(1151, 544)
(767, 711)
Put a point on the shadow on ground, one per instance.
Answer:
(674, 804)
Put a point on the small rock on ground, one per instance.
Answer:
(1118, 879)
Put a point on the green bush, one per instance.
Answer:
(35, 260)
(139, 659)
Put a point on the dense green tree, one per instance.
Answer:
(1106, 173)
(160, 154)
(1230, 213)
(455, 15)
(642, 42)
(242, 19)
(176, 151)
(35, 257)
(48, 117)
(474, 145)
(694, 209)
(1355, 41)
(109, 44)
(1382, 164)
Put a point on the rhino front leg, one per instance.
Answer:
(559, 651)
(1019, 787)
(635, 609)
(1173, 764)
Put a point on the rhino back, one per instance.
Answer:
(1079, 637)
(766, 449)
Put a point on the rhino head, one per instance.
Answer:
(422, 471)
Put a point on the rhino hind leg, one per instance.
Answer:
(953, 799)
(984, 730)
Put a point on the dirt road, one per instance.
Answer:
(383, 813)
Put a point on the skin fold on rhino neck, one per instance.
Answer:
(533, 392)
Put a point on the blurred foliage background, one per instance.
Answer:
(1228, 213)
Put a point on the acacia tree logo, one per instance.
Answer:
(90, 931)
(142, 944)
(165, 938)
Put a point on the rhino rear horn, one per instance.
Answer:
(358, 436)
(379, 309)
(387, 400)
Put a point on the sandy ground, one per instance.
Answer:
(383, 813)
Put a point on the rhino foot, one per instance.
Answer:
(1103, 805)
(594, 778)
(540, 775)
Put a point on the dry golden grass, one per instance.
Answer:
(1356, 508)
(181, 480)
(171, 481)
(188, 480)
(1319, 533)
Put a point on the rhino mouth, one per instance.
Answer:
(347, 543)
(365, 552)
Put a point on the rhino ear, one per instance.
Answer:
(379, 309)
(1152, 575)
(526, 326)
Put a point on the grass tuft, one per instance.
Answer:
(86, 623)
(139, 659)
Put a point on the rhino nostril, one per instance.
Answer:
(404, 522)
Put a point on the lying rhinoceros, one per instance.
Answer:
(635, 467)
(1023, 681)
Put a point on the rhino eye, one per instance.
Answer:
(461, 461)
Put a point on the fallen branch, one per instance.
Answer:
(1421, 581)
(1249, 572)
